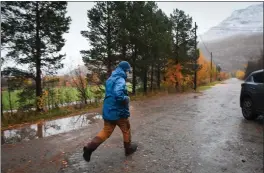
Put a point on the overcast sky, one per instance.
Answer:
(205, 14)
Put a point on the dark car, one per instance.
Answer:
(252, 95)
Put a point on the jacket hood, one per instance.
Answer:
(125, 66)
(119, 72)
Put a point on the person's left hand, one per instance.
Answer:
(127, 100)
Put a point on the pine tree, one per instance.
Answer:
(33, 33)
(183, 41)
(147, 37)
(122, 20)
(102, 36)
(134, 27)
(162, 44)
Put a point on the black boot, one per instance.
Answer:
(130, 148)
(90, 148)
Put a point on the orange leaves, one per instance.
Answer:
(94, 79)
(223, 75)
(67, 84)
(79, 81)
(203, 75)
(173, 74)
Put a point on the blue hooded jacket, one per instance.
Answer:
(116, 102)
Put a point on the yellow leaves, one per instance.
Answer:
(40, 103)
(45, 93)
(203, 75)
(245, 66)
(240, 74)
(27, 81)
(41, 100)
(64, 164)
(51, 78)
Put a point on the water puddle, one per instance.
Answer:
(48, 128)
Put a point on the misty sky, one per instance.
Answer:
(205, 14)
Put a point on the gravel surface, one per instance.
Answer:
(178, 133)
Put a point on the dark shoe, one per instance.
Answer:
(87, 152)
(90, 148)
(130, 148)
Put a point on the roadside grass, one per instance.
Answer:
(62, 95)
(202, 88)
(22, 118)
(209, 85)
(30, 117)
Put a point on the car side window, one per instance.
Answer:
(259, 77)
(249, 79)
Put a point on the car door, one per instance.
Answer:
(259, 90)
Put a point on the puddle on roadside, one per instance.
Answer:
(48, 128)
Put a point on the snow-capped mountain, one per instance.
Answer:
(242, 22)
(233, 53)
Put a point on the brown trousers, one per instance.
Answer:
(109, 127)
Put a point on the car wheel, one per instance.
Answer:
(248, 110)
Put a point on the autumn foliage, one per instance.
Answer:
(224, 75)
(240, 74)
(173, 74)
(203, 75)
(175, 77)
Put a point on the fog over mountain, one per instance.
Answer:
(235, 40)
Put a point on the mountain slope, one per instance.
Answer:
(245, 21)
(234, 52)
(235, 40)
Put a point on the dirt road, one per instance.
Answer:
(195, 132)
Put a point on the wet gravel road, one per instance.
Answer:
(178, 133)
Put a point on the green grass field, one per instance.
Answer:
(69, 94)
(61, 96)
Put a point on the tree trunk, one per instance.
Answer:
(2, 137)
(176, 50)
(2, 106)
(40, 130)
(158, 76)
(52, 98)
(85, 96)
(134, 71)
(109, 69)
(124, 49)
(145, 81)
(9, 98)
(38, 60)
(177, 86)
(109, 56)
(151, 77)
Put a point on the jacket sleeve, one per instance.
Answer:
(119, 90)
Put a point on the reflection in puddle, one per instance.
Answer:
(48, 128)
